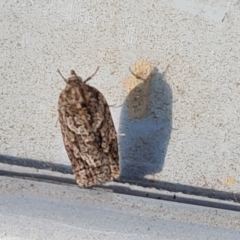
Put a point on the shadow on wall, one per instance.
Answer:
(145, 127)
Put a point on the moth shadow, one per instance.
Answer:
(145, 128)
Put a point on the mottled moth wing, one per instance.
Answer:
(88, 132)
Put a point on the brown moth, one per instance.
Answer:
(88, 132)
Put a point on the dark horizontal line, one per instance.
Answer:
(66, 169)
(124, 190)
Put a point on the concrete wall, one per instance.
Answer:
(185, 127)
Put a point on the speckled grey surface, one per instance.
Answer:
(35, 210)
(191, 133)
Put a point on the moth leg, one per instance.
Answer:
(91, 76)
(115, 105)
(56, 122)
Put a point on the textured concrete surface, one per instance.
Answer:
(34, 210)
(189, 133)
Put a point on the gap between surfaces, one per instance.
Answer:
(144, 188)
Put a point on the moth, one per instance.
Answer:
(88, 132)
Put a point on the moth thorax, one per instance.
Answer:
(74, 81)
(75, 94)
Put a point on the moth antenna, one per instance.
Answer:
(138, 77)
(92, 75)
(62, 75)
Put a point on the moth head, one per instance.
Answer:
(74, 79)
